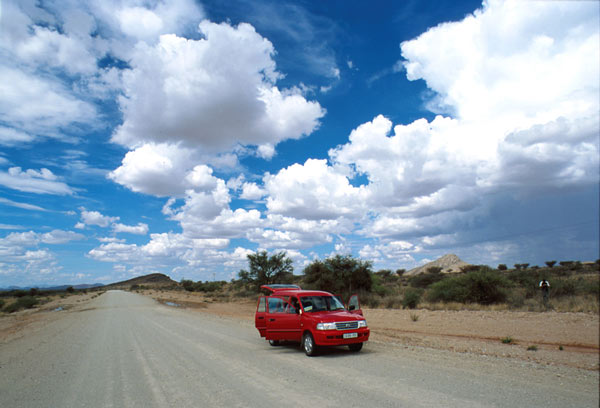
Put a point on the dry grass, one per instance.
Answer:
(573, 304)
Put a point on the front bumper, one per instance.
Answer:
(336, 337)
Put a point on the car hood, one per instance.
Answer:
(341, 316)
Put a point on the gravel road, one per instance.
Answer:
(126, 350)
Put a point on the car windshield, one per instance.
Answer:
(320, 303)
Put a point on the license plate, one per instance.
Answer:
(350, 335)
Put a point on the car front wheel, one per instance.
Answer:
(274, 343)
(308, 343)
(355, 346)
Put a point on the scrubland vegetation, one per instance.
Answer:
(574, 286)
(14, 300)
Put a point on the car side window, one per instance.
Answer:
(276, 305)
(293, 305)
(262, 305)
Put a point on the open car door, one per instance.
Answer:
(282, 319)
(260, 318)
(354, 305)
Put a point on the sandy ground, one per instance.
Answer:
(12, 325)
(126, 350)
(473, 332)
(476, 332)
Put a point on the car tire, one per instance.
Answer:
(355, 346)
(274, 343)
(308, 344)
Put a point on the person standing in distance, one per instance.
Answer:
(545, 286)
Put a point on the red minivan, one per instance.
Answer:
(312, 317)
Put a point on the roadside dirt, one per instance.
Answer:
(473, 332)
(476, 332)
(12, 325)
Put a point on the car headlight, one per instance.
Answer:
(362, 323)
(326, 326)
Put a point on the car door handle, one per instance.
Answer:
(271, 320)
(260, 317)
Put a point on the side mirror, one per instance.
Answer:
(351, 307)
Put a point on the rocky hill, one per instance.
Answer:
(449, 263)
(154, 280)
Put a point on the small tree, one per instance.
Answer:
(502, 267)
(400, 272)
(412, 297)
(70, 289)
(518, 267)
(550, 264)
(187, 285)
(340, 274)
(524, 266)
(265, 269)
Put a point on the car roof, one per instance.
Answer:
(293, 290)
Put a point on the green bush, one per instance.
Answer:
(516, 298)
(187, 285)
(393, 302)
(528, 280)
(449, 290)
(484, 287)
(369, 300)
(25, 302)
(412, 297)
(423, 280)
(590, 287)
(563, 287)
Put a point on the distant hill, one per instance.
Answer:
(56, 288)
(449, 263)
(154, 280)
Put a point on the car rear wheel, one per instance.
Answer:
(355, 346)
(274, 343)
(308, 343)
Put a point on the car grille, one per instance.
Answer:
(346, 325)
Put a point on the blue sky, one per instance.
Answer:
(179, 136)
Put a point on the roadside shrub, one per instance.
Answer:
(187, 285)
(528, 280)
(592, 288)
(423, 280)
(506, 340)
(370, 300)
(483, 287)
(412, 297)
(1, 303)
(516, 298)
(393, 302)
(70, 289)
(25, 302)
(563, 287)
(449, 290)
